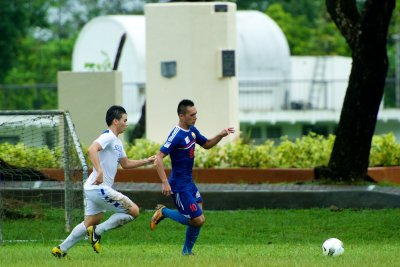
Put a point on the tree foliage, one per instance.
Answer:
(311, 33)
(38, 61)
(17, 18)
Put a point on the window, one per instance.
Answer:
(255, 132)
(9, 139)
(274, 132)
(318, 129)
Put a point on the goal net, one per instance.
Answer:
(42, 168)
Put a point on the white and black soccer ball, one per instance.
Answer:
(332, 247)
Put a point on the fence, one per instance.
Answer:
(260, 95)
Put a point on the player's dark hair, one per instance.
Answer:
(182, 106)
(114, 112)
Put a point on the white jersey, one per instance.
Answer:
(109, 158)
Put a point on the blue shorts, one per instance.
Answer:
(187, 202)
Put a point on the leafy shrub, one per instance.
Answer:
(20, 155)
(305, 152)
(385, 151)
(209, 158)
(142, 149)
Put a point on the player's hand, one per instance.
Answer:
(166, 188)
(151, 159)
(98, 181)
(227, 131)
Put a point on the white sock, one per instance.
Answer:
(77, 234)
(115, 220)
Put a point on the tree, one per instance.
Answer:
(69, 16)
(16, 18)
(309, 36)
(311, 10)
(365, 30)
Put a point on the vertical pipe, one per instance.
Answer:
(67, 178)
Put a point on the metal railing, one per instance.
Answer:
(259, 95)
(267, 95)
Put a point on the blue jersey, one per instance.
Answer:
(180, 146)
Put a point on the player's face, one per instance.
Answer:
(122, 123)
(191, 116)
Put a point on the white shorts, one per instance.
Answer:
(106, 199)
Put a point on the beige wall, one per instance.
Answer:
(193, 35)
(87, 96)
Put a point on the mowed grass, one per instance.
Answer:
(229, 238)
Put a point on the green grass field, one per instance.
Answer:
(229, 238)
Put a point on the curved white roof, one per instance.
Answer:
(262, 48)
(263, 51)
(99, 39)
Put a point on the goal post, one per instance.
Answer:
(42, 168)
(70, 131)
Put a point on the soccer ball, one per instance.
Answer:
(332, 247)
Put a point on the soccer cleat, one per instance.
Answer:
(188, 254)
(58, 253)
(94, 239)
(157, 217)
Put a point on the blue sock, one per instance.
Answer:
(175, 215)
(191, 236)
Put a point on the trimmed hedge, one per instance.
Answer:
(306, 152)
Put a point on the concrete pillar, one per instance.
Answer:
(87, 96)
(191, 53)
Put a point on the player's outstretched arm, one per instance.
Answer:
(212, 142)
(131, 163)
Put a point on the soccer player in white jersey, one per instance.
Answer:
(180, 146)
(105, 153)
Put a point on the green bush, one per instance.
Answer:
(20, 155)
(142, 149)
(385, 151)
(306, 152)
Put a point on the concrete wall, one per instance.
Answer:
(87, 96)
(193, 36)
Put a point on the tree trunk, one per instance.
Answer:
(366, 34)
(140, 127)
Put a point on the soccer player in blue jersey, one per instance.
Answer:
(180, 145)
(106, 153)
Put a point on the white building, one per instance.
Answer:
(279, 94)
